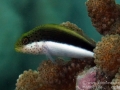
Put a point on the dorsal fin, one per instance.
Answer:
(78, 30)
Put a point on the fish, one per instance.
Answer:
(55, 40)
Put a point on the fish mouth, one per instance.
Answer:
(18, 49)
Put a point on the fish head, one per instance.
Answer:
(29, 43)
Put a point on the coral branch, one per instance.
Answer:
(116, 81)
(53, 76)
(28, 81)
(107, 54)
(104, 15)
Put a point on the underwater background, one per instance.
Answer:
(19, 16)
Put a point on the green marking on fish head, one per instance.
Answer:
(27, 38)
(23, 40)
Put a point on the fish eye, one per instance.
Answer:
(25, 40)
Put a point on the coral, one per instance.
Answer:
(64, 75)
(116, 81)
(27, 81)
(93, 79)
(53, 76)
(75, 28)
(107, 54)
(102, 80)
(86, 79)
(104, 15)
